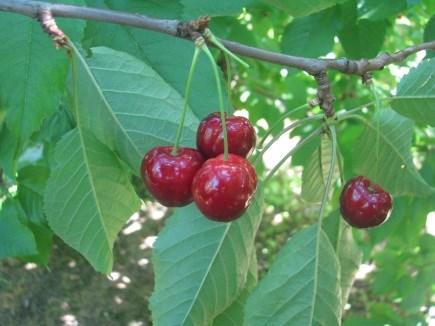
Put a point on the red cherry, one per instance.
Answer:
(210, 139)
(364, 204)
(222, 189)
(169, 177)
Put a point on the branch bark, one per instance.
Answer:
(172, 27)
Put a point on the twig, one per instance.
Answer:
(186, 29)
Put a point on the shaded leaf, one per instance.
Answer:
(16, 239)
(201, 266)
(315, 174)
(88, 197)
(311, 36)
(304, 8)
(34, 69)
(380, 9)
(348, 253)
(234, 314)
(383, 155)
(302, 286)
(363, 39)
(416, 94)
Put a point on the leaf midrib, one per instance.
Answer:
(106, 103)
(207, 272)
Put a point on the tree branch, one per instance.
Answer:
(179, 29)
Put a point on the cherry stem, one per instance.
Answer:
(215, 41)
(315, 133)
(281, 119)
(285, 130)
(330, 175)
(186, 99)
(221, 100)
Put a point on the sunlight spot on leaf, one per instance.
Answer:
(242, 113)
(347, 306)
(277, 219)
(121, 285)
(430, 223)
(143, 262)
(117, 300)
(271, 33)
(72, 264)
(283, 72)
(30, 266)
(69, 320)
(132, 227)
(148, 242)
(244, 97)
(126, 279)
(364, 270)
(135, 323)
(114, 276)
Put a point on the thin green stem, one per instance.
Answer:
(330, 175)
(221, 99)
(280, 120)
(285, 130)
(315, 133)
(215, 41)
(229, 77)
(186, 100)
(343, 115)
(377, 108)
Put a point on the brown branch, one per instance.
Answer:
(178, 29)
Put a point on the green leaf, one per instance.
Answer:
(234, 314)
(196, 8)
(169, 57)
(201, 266)
(31, 185)
(302, 286)
(383, 155)
(128, 106)
(315, 173)
(415, 94)
(88, 197)
(429, 35)
(9, 151)
(44, 242)
(363, 39)
(16, 239)
(311, 36)
(380, 9)
(304, 8)
(348, 253)
(34, 69)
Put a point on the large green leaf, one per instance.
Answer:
(234, 314)
(201, 266)
(302, 286)
(304, 8)
(34, 70)
(348, 253)
(363, 39)
(128, 106)
(311, 36)
(16, 239)
(315, 174)
(88, 197)
(416, 94)
(170, 57)
(383, 155)
(8, 151)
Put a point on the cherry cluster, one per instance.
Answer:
(221, 187)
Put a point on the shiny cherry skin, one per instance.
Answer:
(223, 189)
(210, 139)
(169, 177)
(364, 204)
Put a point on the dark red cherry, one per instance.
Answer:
(169, 177)
(210, 139)
(364, 204)
(223, 189)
